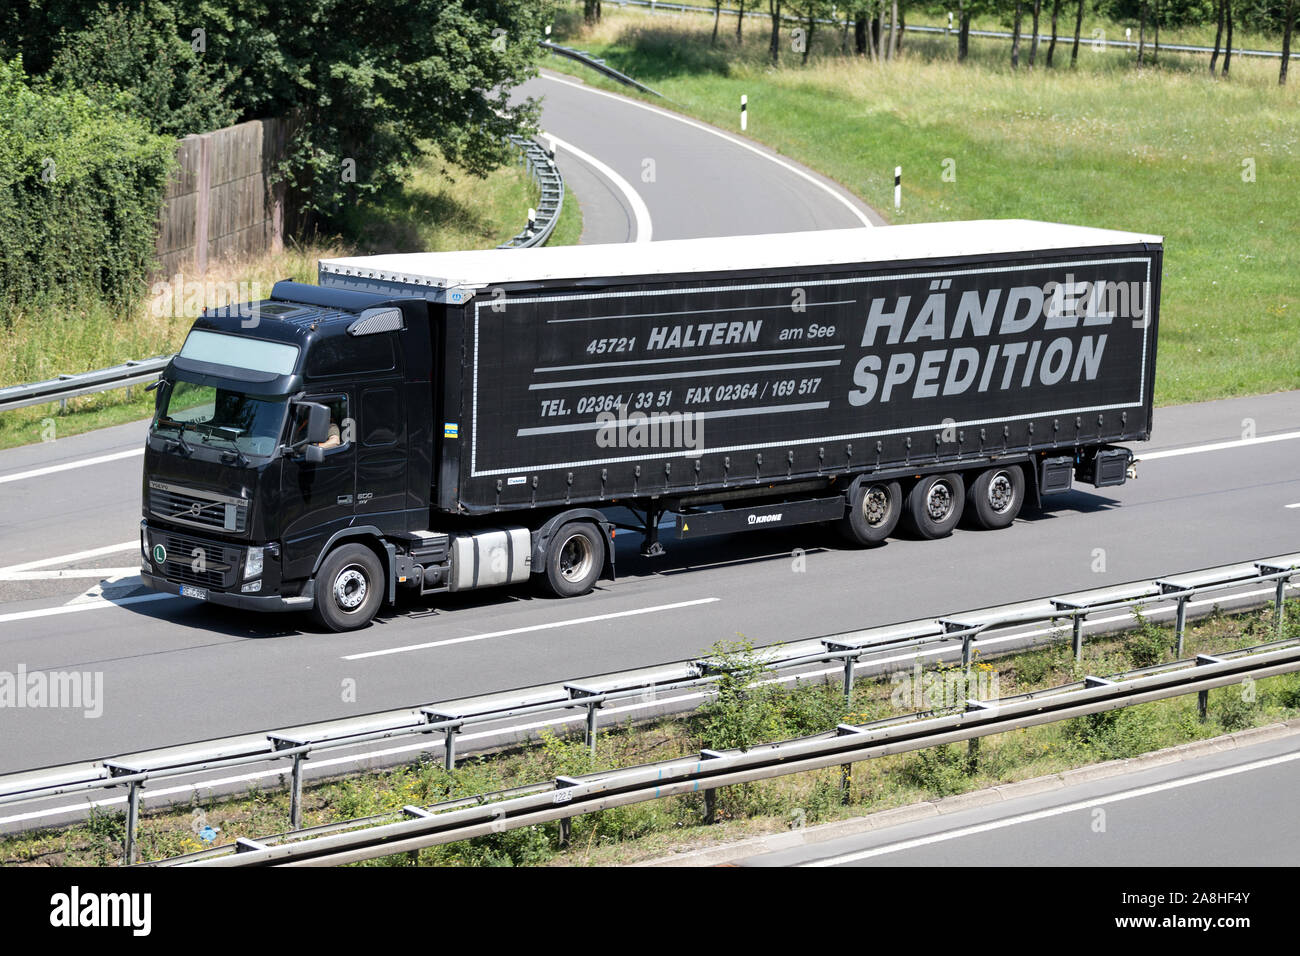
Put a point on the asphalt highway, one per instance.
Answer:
(1221, 486)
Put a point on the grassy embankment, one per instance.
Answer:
(762, 712)
(1163, 150)
(438, 209)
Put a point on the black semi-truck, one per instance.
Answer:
(448, 421)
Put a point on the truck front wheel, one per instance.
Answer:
(349, 588)
(934, 505)
(575, 556)
(874, 510)
(996, 496)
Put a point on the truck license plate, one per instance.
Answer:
(193, 592)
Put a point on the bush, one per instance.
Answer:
(1235, 712)
(1146, 644)
(80, 189)
(1113, 734)
(941, 771)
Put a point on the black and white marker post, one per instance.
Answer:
(744, 111)
(898, 187)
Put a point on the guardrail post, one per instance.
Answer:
(130, 851)
(1078, 636)
(278, 743)
(710, 794)
(566, 823)
(1203, 697)
(449, 747)
(846, 769)
(1279, 599)
(1180, 626)
(591, 727)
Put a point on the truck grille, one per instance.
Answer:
(220, 564)
(201, 509)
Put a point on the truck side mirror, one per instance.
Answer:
(313, 454)
(318, 423)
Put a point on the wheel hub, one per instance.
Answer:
(350, 588)
(1001, 492)
(575, 558)
(938, 501)
(875, 506)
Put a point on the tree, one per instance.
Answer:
(740, 22)
(1051, 47)
(136, 61)
(1078, 26)
(893, 29)
(1227, 49)
(1142, 29)
(591, 11)
(1288, 25)
(774, 44)
(717, 17)
(1218, 36)
(1015, 39)
(1033, 46)
(963, 29)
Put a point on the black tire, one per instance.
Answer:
(996, 497)
(935, 504)
(874, 510)
(575, 556)
(349, 588)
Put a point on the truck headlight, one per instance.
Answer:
(144, 548)
(253, 563)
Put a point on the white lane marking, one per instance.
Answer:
(1217, 446)
(64, 573)
(74, 556)
(640, 212)
(1296, 505)
(88, 606)
(532, 627)
(1051, 812)
(66, 466)
(824, 187)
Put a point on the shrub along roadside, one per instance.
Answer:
(808, 707)
(80, 189)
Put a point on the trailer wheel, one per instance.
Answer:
(997, 495)
(349, 588)
(575, 556)
(874, 510)
(934, 505)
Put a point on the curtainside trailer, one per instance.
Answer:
(448, 421)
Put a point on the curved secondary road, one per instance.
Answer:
(174, 671)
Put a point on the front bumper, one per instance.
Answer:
(249, 602)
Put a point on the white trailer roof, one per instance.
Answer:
(480, 268)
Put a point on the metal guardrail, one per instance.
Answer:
(568, 797)
(654, 5)
(70, 386)
(597, 64)
(850, 650)
(541, 165)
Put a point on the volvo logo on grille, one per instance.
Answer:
(196, 509)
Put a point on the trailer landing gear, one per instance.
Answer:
(650, 546)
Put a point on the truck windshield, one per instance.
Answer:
(221, 417)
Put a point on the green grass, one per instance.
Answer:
(1151, 150)
(439, 208)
